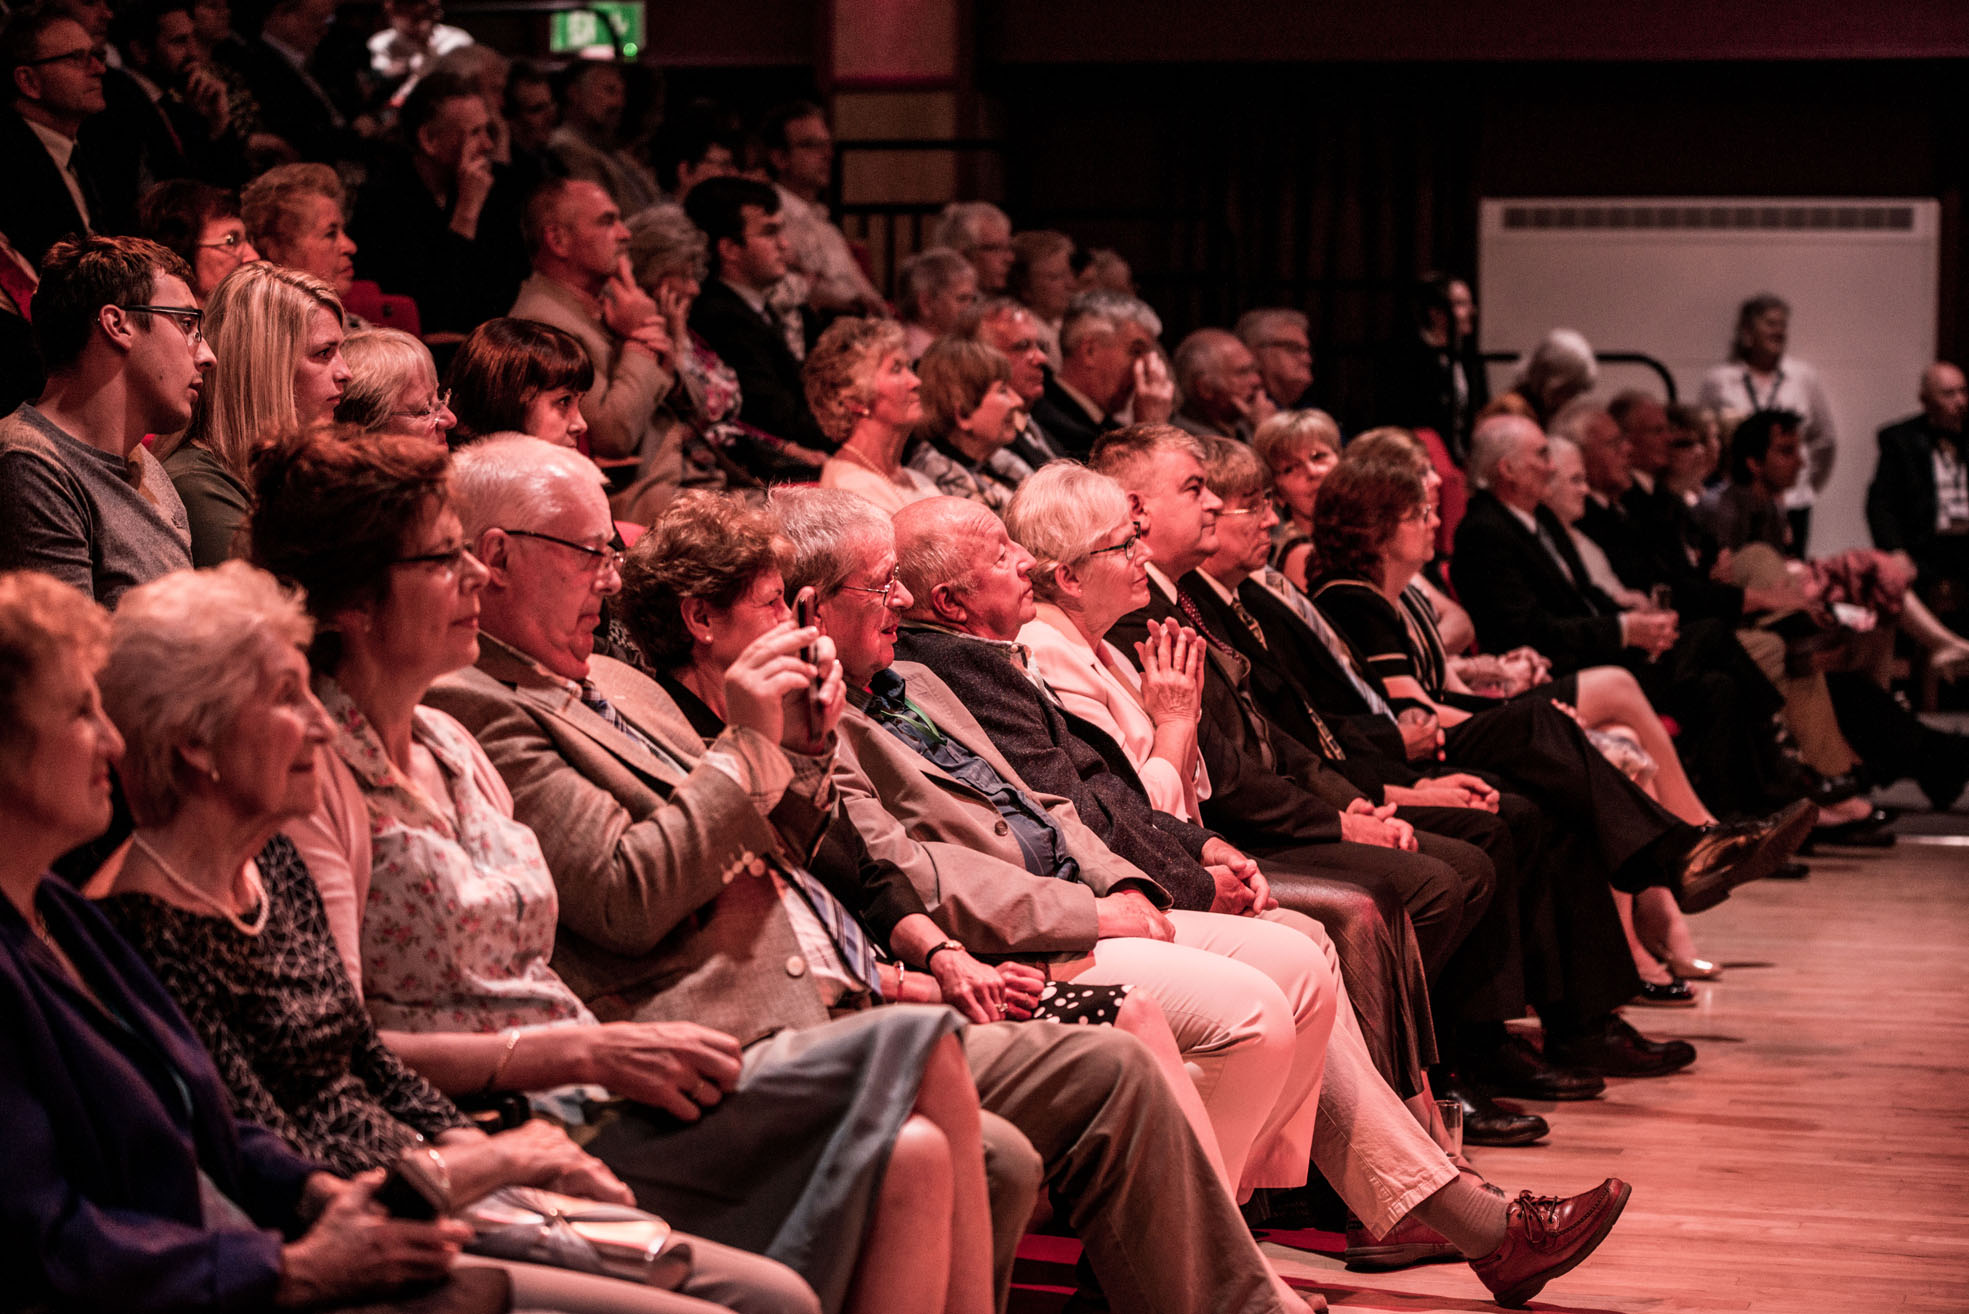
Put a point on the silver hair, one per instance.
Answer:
(1102, 311)
(1200, 356)
(381, 361)
(187, 650)
(1254, 326)
(829, 532)
(957, 227)
(1057, 514)
(1495, 440)
(1559, 368)
(936, 543)
(925, 274)
(1572, 420)
(506, 479)
(663, 240)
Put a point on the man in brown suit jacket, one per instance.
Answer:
(665, 890)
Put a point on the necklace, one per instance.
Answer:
(866, 462)
(240, 924)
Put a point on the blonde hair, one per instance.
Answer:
(1285, 438)
(840, 371)
(381, 362)
(1057, 514)
(257, 323)
(185, 653)
(43, 622)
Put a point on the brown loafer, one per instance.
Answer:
(1408, 1244)
(1545, 1236)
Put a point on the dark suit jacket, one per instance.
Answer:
(1900, 502)
(289, 108)
(409, 247)
(107, 1129)
(1065, 421)
(36, 210)
(1260, 808)
(1061, 754)
(1517, 594)
(773, 398)
(1648, 538)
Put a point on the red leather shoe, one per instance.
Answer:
(1545, 1236)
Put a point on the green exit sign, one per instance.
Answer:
(604, 26)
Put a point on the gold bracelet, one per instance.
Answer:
(505, 1057)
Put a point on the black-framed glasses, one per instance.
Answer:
(429, 413)
(449, 561)
(605, 557)
(86, 56)
(884, 593)
(230, 242)
(189, 319)
(1126, 547)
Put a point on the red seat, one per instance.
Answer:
(381, 309)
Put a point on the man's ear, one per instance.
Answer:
(729, 250)
(947, 604)
(696, 615)
(493, 549)
(1137, 508)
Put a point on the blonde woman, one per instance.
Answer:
(393, 387)
(865, 397)
(277, 333)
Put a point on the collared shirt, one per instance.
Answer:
(821, 252)
(1081, 399)
(1951, 489)
(991, 481)
(1042, 844)
(61, 150)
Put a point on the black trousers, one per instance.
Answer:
(1723, 706)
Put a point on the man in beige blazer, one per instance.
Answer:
(662, 851)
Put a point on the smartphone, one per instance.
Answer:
(412, 1190)
(806, 612)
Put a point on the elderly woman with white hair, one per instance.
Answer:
(934, 288)
(866, 397)
(1561, 367)
(393, 386)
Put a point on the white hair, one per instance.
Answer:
(937, 543)
(1058, 513)
(1495, 440)
(506, 478)
(1559, 368)
(831, 534)
(1102, 311)
(1254, 326)
(958, 225)
(924, 275)
(1200, 356)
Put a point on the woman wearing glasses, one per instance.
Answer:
(277, 333)
(393, 387)
(201, 223)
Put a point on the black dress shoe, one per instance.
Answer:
(1670, 994)
(1486, 1122)
(1944, 770)
(1611, 1048)
(1867, 832)
(1725, 856)
(1514, 1068)
(1790, 871)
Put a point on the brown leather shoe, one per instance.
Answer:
(1724, 857)
(1409, 1243)
(1545, 1236)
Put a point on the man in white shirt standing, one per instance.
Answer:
(800, 152)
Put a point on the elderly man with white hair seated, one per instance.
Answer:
(1222, 388)
(1109, 363)
(981, 233)
(934, 289)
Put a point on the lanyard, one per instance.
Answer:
(1750, 388)
(915, 715)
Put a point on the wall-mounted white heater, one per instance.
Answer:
(1665, 276)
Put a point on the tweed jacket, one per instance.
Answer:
(954, 846)
(668, 910)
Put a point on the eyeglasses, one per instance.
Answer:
(1286, 344)
(1126, 547)
(427, 414)
(449, 561)
(189, 319)
(604, 558)
(230, 242)
(884, 593)
(86, 56)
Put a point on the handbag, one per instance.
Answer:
(545, 1227)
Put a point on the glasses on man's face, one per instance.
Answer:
(189, 319)
(447, 562)
(1126, 547)
(884, 593)
(428, 414)
(82, 58)
(602, 559)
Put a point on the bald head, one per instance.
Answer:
(961, 568)
(1511, 456)
(1217, 375)
(1944, 396)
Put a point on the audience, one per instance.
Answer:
(412, 41)
(800, 158)
(1433, 376)
(1109, 361)
(981, 233)
(294, 217)
(393, 387)
(1298, 450)
(519, 376)
(592, 96)
(1918, 502)
(1041, 279)
(274, 61)
(1280, 338)
(54, 86)
(182, 115)
(1005, 325)
(1222, 388)
(867, 401)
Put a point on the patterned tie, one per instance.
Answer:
(1280, 587)
(1329, 746)
(592, 699)
(1250, 622)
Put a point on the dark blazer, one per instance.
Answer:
(1649, 539)
(108, 1124)
(1361, 730)
(1900, 502)
(408, 246)
(36, 210)
(773, 397)
(1065, 421)
(1054, 751)
(289, 108)
(1517, 594)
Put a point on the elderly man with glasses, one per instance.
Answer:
(56, 186)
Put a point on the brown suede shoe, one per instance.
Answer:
(1545, 1236)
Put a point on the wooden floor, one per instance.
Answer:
(1815, 1158)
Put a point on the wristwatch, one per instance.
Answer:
(938, 948)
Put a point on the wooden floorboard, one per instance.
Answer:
(1816, 1157)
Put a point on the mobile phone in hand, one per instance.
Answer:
(806, 612)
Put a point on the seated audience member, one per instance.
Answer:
(1108, 360)
(118, 1161)
(1009, 327)
(438, 219)
(1222, 388)
(763, 341)
(1102, 268)
(981, 233)
(934, 289)
(277, 333)
(868, 401)
(1918, 501)
(800, 157)
(1298, 449)
(1281, 341)
(341, 514)
(519, 376)
(393, 387)
(276, 63)
(1561, 367)
(54, 74)
(1432, 376)
(909, 731)
(530, 114)
(81, 497)
(588, 143)
(694, 144)
(186, 119)
(1695, 449)
(1041, 279)
(200, 223)
(294, 217)
(971, 415)
(582, 284)
(1761, 376)
(667, 253)
(412, 40)
(208, 681)
(485, 71)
